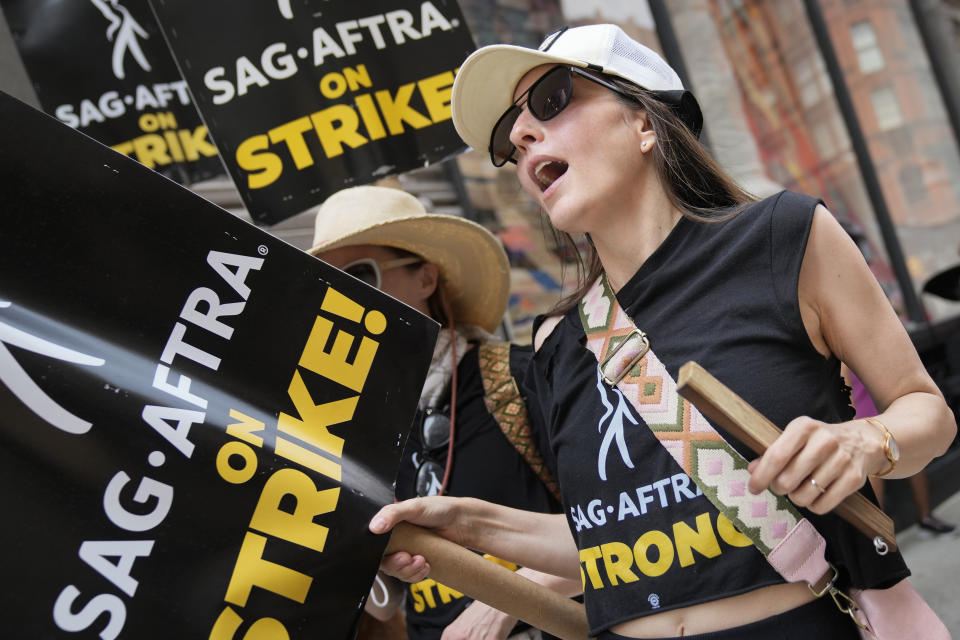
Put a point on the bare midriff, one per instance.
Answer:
(716, 615)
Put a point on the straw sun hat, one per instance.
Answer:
(473, 266)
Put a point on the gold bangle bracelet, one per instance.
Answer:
(890, 447)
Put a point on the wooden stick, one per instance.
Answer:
(750, 427)
(492, 584)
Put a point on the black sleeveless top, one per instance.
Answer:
(723, 294)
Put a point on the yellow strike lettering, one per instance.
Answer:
(617, 559)
(664, 546)
(244, 429)
(195, 143)
(151, 150)
(436, 91)
(336, 303)
(310, 459)
(371, 117)
(252, 570)
(148, 122)
(154, 149)
(418, 603)
(333, 85)
(423, 597)
(447, 595)
(263, 629)
(227, 471)
(126, 148)
(154, 121)
(357, 77)
(173, 145)
(291, 134)
(315, 419)
(703, 540)
(334, 137)
(262, 167)
(397, 110)
(729, 534)
(589, 559)
(425, 589)
(333, 364)
(296, 526)
(167, 120)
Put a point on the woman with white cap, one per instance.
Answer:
(457, 272)
(770, 296)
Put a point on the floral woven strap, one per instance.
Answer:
(627, 362)
(505, 404)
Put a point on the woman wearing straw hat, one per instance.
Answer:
(770, 296)
(456, 272)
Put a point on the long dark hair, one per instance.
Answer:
(696, 184)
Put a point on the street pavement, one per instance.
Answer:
(935, 563)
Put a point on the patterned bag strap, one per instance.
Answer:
(506, 405)
(626, 361)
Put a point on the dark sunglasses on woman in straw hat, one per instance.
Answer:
(435, 430)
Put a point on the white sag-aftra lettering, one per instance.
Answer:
(22, 386)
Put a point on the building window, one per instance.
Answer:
(864, 39)
(886, 108)
(911, 181)
(811, 79)
(824, 139)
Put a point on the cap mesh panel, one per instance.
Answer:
(625, 48)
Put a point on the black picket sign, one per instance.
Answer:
(102, 67)
(306, 98)
(197, 420)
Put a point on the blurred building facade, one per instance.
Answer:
(772, 118)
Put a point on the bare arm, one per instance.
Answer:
(535, 540)
(846, 313)
(480, 621)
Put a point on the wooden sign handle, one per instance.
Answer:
(492, 584)
(750, 427)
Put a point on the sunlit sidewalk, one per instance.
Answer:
(935, 563)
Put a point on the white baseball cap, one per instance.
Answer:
(483, 88)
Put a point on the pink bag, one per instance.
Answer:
(897, 613)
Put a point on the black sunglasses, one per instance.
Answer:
(551, 94)
(434, 434)
(545, 99)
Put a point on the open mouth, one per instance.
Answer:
(548, 172)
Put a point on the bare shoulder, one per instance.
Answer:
(544, 331)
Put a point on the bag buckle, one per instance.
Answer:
(637, 341)
(844, 602)
(828, 586)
